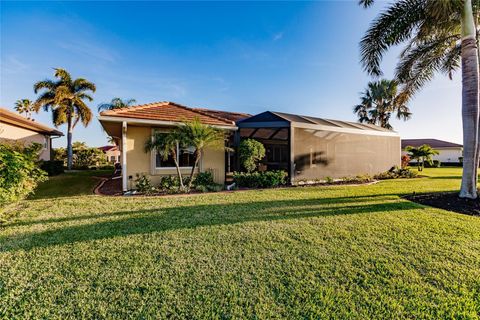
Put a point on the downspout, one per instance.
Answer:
(124, 157)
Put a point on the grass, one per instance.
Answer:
(315, 252)
(69, 184)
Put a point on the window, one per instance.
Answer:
(112, 158)
(185, 158)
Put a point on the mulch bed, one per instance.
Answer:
(448, 201)
(111, 187)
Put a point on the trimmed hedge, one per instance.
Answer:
(53, 167)
(267, 179)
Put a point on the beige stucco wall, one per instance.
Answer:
(9, 132)
(139, 161)
(114, 153)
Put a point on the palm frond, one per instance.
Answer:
(392, 27)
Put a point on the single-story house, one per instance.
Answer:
(449, 152)
(18, 128)
(112, 153)
(307, 148)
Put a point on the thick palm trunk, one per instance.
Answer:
(470, 83)
(69, 143)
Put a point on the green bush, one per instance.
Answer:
(106, 167)
(250, 152)
(268, 179)
(53, 167)
(171, 184)
(203, 179)
(433, 164)
(396, 173)
(143, 184)
(19, 171)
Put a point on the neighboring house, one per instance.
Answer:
(15, 127)
(112, 153)
(307, 148)
(449, 152)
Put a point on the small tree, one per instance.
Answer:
(250, 152)
(405, 161)
(200, 136)
(165, 145)
(421, 154)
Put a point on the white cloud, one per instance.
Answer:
(277, 36)
(89, 49)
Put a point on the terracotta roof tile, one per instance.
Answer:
(170, 111)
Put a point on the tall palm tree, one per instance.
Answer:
(438, 34)
(116, 103)
(200, 136)
(65, 97)
(25, 106)
(166, 144)
(379, 102)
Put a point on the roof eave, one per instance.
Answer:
(157, 122)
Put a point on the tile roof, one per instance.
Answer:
(170, 111)
(434, 143)
(15, 119)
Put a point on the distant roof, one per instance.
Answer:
(299, 120)
(15, 119)
(108, 148)
(171, 111)
(434, 143)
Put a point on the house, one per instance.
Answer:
(112, 153)
(449, 152)
(15, 127)
(307, 148)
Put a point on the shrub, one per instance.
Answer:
(363, 178)
(143, 184)
(433, 164)
(19, 171)
(171, 184)
(250, 152)
(268, 179)
(52, 167)
(106, 167)
(396, 173)
(203, 179)
(328, 180)
(405, 161)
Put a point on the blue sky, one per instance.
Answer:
(297, 57)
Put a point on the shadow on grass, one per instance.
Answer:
(148, 221)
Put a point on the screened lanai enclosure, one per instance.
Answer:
(312, 149)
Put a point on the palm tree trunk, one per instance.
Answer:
(179, 172)
(197, 159)
(69, 142)
(470, 83)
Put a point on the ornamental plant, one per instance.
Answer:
(250, 152)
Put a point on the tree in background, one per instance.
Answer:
(25, 106)
(116, 103)
(250, 152)
(65, 97)
(421, 154)
(438, 35)
(379, 102)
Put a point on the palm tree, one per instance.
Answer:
(200, 136)
(438, 35)
(116, 103)
(379, 102)
(25, 106)
(166, 144)
(421, 154)
(65, 97)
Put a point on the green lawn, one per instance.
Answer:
(70, 184)
(315, 252)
